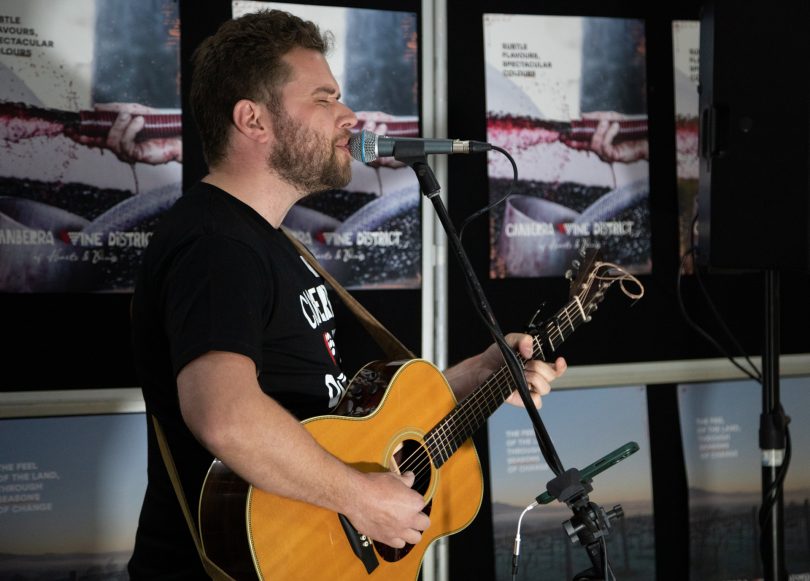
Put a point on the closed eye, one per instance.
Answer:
(326, 95)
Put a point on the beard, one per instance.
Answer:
(306, 159)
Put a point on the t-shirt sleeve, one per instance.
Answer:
(214, 298)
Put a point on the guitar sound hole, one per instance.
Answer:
(411, 457)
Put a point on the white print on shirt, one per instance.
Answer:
(316, 306)
(336, 387)
(330, 345)
(309, 266)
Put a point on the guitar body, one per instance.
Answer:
(253, 534)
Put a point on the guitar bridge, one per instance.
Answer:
(360, 544)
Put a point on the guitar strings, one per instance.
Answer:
(446, 431)
(448, 438)
(500, 382)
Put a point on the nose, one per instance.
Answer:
(346, 119)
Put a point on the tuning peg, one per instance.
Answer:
(575, 263)
(569, 274)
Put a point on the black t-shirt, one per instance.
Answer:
(218, 277)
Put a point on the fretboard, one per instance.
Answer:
(469, 415)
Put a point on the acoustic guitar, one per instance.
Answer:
(395, 416)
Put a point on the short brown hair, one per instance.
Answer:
(243, 61)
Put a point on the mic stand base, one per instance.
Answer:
(590, 525)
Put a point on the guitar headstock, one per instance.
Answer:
(581, 269)
(591, 278)
(590, 282)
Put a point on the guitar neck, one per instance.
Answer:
(460, 424)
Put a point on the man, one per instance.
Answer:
(232, 330)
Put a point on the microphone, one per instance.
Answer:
(366, 146)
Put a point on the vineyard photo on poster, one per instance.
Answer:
(90, 129)
(566, 97)
(368, 235)
(70, 494)
(720, 428)
(585, 425)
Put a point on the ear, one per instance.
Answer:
(252, 120)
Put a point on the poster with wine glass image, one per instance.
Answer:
(368, 235)
(566, 97)
(686, 59)
(90, 131)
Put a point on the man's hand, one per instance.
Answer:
(389, 511)
(539, 374)
(470, 373)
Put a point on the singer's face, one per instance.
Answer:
(311, 128)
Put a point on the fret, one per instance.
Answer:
(539, 347)
(581, 310)
(568, 316)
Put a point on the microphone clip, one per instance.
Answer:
(412, 153)
(570, 487)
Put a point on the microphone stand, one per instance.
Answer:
(590, 524)
(413, 154)
(772, 441)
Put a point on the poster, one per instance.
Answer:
(584, 425)
(70, 494)
(686, 60)
(550, 81)
(82, 179)
(720, 427)
(368, 235)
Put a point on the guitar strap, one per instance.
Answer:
(210, 567)
(392, 347)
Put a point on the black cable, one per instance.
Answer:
(770, 497)
(756, 376)
(511, 359)
(713, 308)
(779, 480)
(516, 369)
(431, 189)
(700, 330)
(609, 574)
(486, 209)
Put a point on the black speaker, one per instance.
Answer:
(754, 185)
